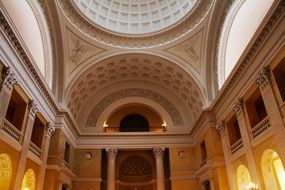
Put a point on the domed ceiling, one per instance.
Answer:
(135, 16)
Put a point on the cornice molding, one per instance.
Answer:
(102, 36)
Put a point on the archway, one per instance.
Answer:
(134, 123)
(5, 171)
(272, 170)
(29, 181)
(243, 177)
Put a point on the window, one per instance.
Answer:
(279, 75)
(203, 152)
(38, 132)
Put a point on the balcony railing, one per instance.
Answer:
(35, 149)
(236, 146)
(11, 130)
(261, 127)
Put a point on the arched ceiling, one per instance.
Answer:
(135, 16)
(134, 67)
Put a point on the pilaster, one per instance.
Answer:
(159, 154)
(111, 178)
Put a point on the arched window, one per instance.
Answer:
(272, 170)
(243, 177)
(241, 23)
(29, 181)
(5, 171)
(134, 123)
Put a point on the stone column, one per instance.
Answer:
(9, 81)
(158, 154)
(111, 177)
(42, 171)
(26, 144)
(272, 108)
(220, 127)
(240, 114)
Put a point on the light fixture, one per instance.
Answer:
(105, 125)
(251, 186)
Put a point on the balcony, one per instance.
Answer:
(35, 149)
(12, 131)
(260, 128)
(236, 146)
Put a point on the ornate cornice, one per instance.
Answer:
(158, 153)
(100, 35)
(108, 100)
(112, 153)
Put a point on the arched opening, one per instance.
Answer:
(240, 26)
(5, 171)
(272, 170)
(243, 177)
(134, 123)
(29, 181)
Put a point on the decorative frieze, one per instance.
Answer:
(220, 127)
(9, 79)
(263, 78)
(33, 108)
(158, 153)
(112, 153)
(238, 106)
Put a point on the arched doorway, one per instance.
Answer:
(272, 170)
(243, 177)
(29, 180)
(5, 171)
(136, 173)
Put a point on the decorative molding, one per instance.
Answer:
(263, 78)
(112, 153)
(9, 79)
(81, 23)
(108, 100)
(33, 108)
(181, 154)
(220, 127)
(238, 106)
(158, 152)
(50, 130)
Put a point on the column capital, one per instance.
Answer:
(50, 130)
(9, 79)
(220, 127)
(158, 152)
(238, 106)
(263, 78)
(33, 108)
(112, 152)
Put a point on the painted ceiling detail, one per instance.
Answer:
(138, 67)
(79, 51)
(108, 100)
(189, 51)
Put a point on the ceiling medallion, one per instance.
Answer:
(181, 154)
(125, 40)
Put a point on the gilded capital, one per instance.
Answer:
(158, 153)
(9, 79)
(220, 127)
(112, 153)
(263, 78)
(33, 108)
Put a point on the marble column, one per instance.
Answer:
(158, 154)
(220, 127)
(240, 115)
(9, 81)
(41, 174)
(272, 108)
(26, 145)
(111, 177)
